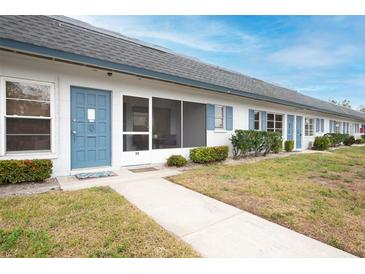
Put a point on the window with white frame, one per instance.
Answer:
(308, 127)
(257, 120)
(275, 122)
(219, 116)
(337, 126)
(320, 125)
(28, 116)
(357, 128)
(345, 126)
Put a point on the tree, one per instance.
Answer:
(345, 103)
(362, 108)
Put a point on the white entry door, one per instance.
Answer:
(136, 130)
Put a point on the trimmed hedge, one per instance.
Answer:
(203, 155)
(245, 142)
(349, 141)
(322, 143)
(19, 171)
(289, 145)
(336, 138)
(176, 160)
(359, 141)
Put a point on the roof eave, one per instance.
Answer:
(55, 54)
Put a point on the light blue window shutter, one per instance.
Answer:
(322, 125)
(210, 117)
(229, 118)
(251, 119)
(331, 126)
(317, 125)
(263, 121)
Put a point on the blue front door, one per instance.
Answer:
(90, 128)
(290, 127)
(299, 132)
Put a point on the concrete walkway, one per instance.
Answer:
(213, 228)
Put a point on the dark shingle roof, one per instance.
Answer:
(72, 36)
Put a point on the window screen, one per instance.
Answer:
(166, 123)
(194, 124)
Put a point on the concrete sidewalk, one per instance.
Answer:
(213, 228)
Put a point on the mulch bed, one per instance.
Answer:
(29, 188)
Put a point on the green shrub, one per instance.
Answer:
(359, 141)
(273, 142)
(256, 142)
(336, 138)
(19, 171)
(204, 155)
(289, 145)
(363, 137)
(176, 160)
(349, 141)
(322, 142)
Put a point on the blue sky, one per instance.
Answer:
(321, 56)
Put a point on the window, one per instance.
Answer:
(28, 116)
(194, 124)
(320, 125)
(219, 117)
(135, 114)
(135, 123)
(257, 120)
(166, 123)
(308, 127)
(135, 142)
(346, 127)
(357, 128)
(337, 126)
(275, 122)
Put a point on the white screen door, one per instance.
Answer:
(136, 131)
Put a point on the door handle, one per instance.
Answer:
(74, 135)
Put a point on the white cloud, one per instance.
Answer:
(313, 55)
(196, 33)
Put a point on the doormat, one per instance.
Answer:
(144, 169)
(91, 175)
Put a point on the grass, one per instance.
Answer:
(87, 223)
(319, 195)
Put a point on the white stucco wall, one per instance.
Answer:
(65, 75)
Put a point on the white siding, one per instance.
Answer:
(65, 75)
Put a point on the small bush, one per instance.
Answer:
(19, 171)
(204, 155)
(349, 141)
(272, 142)
(363, 137)
(289, 145)
(255, 142)
(359, 141)
(277, 146)
(176, 160)
(336, 138)
(322, 142)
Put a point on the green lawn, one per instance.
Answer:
(87, 223)
(319, 195)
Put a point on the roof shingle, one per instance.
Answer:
(73, 36)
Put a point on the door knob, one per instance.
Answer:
(74, 132)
